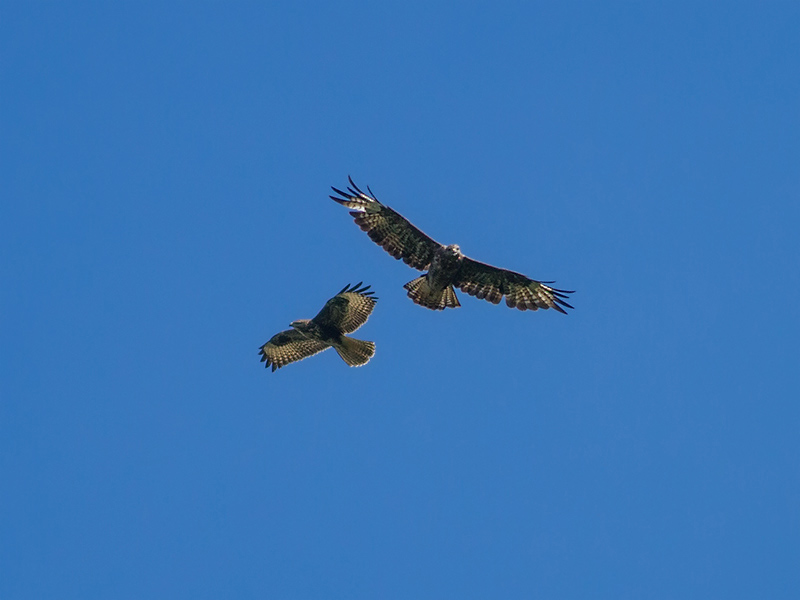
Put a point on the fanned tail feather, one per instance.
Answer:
(421, 293)
(355, 352)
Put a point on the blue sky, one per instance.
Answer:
(165, 174)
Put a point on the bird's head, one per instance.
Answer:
(453, 250)
(301, 325)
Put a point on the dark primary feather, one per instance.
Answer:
(492, 283)
(387, 228)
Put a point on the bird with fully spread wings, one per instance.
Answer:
(344, 313)
(446, 266)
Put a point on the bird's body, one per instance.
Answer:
(446, 266)
(344, 313)
(434, 290)
(312, 330)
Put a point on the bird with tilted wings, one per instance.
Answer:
(446, 266)
(344, 313)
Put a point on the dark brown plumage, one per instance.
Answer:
(344, 313)
(446, 266)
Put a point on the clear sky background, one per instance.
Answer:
(165, 180)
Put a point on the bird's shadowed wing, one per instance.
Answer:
(388, 228)
(349, 309)
(490, 283)
(287, 347)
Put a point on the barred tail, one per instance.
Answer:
(355, 352)
(421, 293)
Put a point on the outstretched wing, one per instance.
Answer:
(287, 347)
(487, 282)
(349, 309)
(388, 228)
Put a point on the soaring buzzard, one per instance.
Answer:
(446, 265)
(344, 313)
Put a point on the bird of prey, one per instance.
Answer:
(446, 266)
(344, 313)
